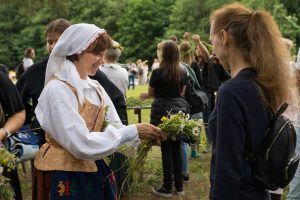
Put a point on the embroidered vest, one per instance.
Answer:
(52, 156)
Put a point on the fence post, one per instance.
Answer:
(138, 112)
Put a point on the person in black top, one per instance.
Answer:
(213, 75)
(248, 44)
(31, 83)
(200, 62)
(201, 58)
(166, 85)
(14, 112)
(4, 69)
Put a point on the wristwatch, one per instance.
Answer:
(8, 133)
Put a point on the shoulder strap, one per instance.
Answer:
(191, 75)
(250, 157)
(282, 108)
(262, 89)
(186, 69)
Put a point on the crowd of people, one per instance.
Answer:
(71, 94)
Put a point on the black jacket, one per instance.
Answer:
(238, 122)
(161, 106)
(30, 86)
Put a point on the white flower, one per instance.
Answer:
(187, 117)
(196, 131)
(182, 125)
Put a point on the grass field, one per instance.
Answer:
(196, 189)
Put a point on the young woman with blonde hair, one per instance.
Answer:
(248, 44)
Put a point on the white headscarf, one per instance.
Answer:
(74, 40)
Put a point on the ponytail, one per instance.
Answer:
(258, 38)
(271, 59)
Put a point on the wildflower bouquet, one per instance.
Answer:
(179, 126)
(176, 126)
(8, 161)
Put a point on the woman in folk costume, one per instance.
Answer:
(71, 111)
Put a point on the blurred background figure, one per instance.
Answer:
(173, 38)
(142, 71)
(4, 69)
(200, 58)
(213, 75)
(28, 58)
(155, 64)
(132, 72)
(114, 71)
(185, 50)
(26, 63)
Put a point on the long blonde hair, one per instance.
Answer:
(257, 36)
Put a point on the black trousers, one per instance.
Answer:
(172, 164)
(275, 196)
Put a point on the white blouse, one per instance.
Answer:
(117, 74)
(57, 112)
(27, 62)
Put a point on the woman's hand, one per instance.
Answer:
(149, 132)
(196, 38)
(144, 96)
(186, 35)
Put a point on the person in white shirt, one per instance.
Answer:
(28, 58)
(115, 72)
(71, 110)
(155, 64)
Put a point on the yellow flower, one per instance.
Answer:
(164, 118)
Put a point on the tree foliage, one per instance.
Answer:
(137, 24)
(141, 26)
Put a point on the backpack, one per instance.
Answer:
(275, 163)
(196, 98)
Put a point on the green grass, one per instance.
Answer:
(135, 94)
(139, 89)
